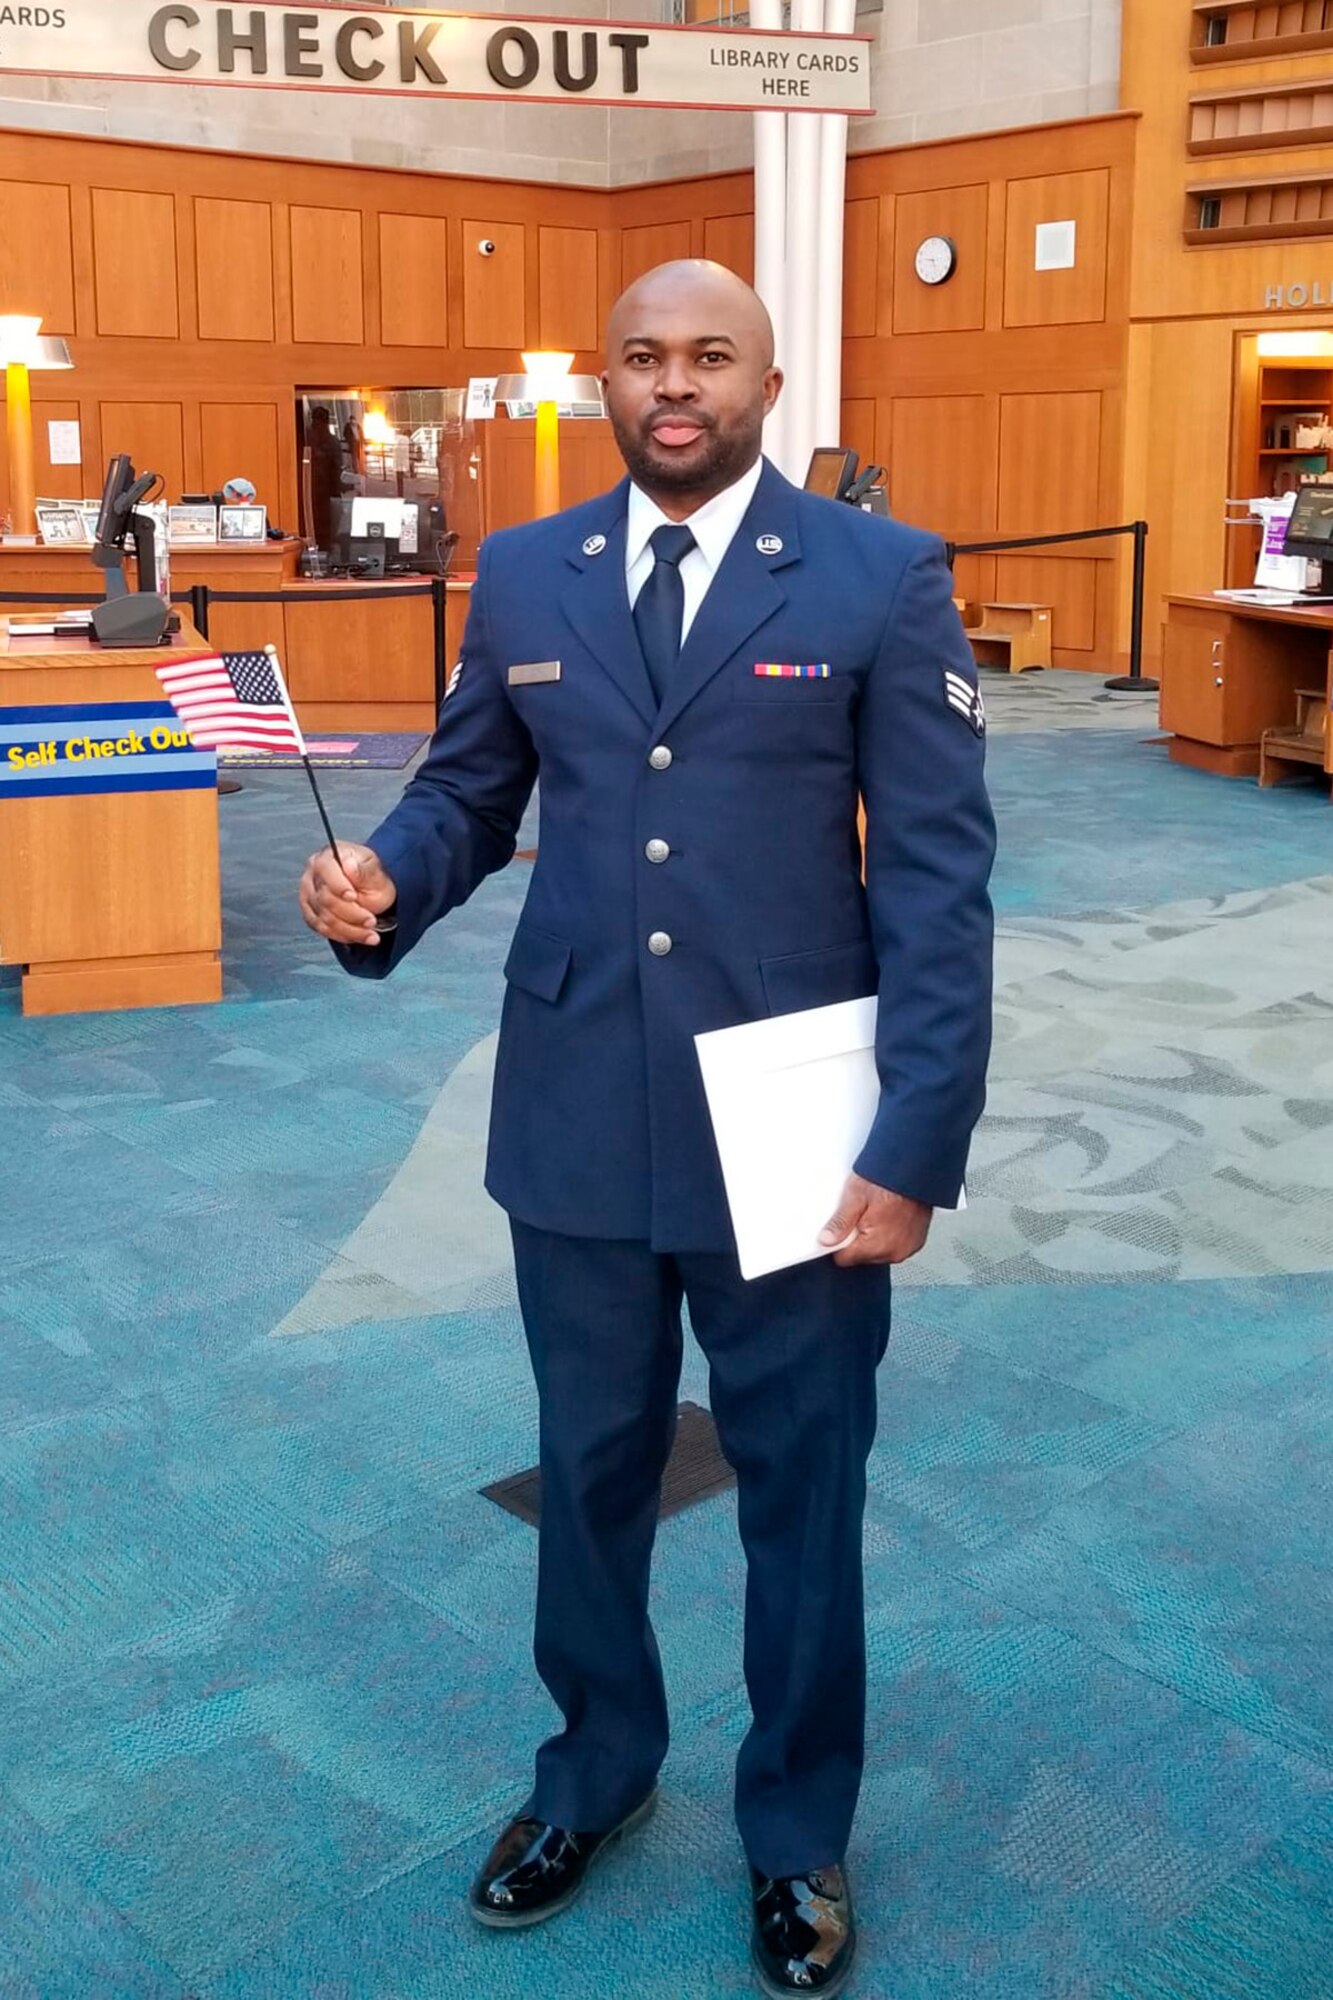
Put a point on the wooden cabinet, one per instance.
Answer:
(1229, 672)
(1193, 676)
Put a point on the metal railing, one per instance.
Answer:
(1135, 678)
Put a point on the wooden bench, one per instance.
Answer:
(1279, 749)
(1014, 636)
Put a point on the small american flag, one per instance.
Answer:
(233, 701)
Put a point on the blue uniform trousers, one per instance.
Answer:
(792, 1361)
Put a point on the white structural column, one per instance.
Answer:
(800, 177)
(801, 318)
(770, 224)
(839, 19)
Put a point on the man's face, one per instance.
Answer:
(688, 384)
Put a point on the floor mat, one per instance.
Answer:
(384, 751)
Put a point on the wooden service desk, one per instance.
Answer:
(360, 654)
(1230, 671)
(109, 890)
(352, 660)
(71, 572)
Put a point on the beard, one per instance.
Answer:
(715, 462)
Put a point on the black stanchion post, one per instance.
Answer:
(199, 619)
(1136, 680)
(438, 602)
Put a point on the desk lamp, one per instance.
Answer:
(547, 382)
(24, 347)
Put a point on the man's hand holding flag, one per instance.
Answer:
(230, 701)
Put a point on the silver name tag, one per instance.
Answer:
(533, 671)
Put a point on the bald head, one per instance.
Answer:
(709, 293)
(689, 380)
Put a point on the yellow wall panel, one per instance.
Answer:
(154, 436)
(37, 253)
(328, 285)
(134, 256)
(240, 440)
(494, 288)
(1050, 462)
(414, 280)
(1057, 298)
(567, 290)
(233, 249)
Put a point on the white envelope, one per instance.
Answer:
(792, 1101)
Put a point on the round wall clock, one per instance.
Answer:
(936, 260)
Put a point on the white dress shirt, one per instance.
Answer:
(713, 526)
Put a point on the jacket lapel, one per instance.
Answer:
(744, 593)
(596, 601)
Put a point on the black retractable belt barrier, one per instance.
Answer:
(433, 589)
(199, 597)
(1135, 681)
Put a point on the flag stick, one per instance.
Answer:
(310, 773)
(382, 925)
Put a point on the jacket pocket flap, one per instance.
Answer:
(538, 962)
(819, 978)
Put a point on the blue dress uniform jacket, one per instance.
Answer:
(699, 864)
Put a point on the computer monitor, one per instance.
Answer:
(111, 519)
(830, 471)
(1310, 532)
(125, 617)
(377, 510)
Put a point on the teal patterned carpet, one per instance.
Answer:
(264, 1650)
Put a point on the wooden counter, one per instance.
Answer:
(109, 886)
(351, 662)
(221, 565)
(358, 662)
(1230, 671)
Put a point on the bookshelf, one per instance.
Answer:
(1275, 397)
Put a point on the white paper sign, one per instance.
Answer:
(64, 445)
(412, 52)
(480, 397)
(1057, 246)
(1275, 569)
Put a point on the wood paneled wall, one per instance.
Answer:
(996, 401)
(201, 292)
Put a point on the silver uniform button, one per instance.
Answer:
(660, 758)
(659, 944)
(658, 850)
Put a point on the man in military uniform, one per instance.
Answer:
(710, 669)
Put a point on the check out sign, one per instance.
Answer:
(397, 51)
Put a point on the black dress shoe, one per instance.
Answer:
(804, 1932)
(534, 1870)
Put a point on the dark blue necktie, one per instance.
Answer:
(659, 608)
